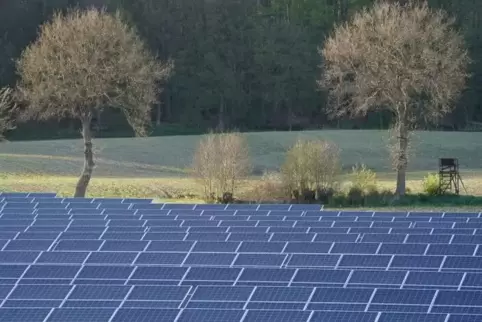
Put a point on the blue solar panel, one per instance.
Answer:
(338, 237)
(403, 249)
(467, 239)
(222, 293)
(308, 247)
(319, 276)
(62, 257)
(32, 303)
(459, 249)
(106, 272)
(374, 277)
(397, 296)
(159, 273)
(78, 245)
(342, 295)
(133, 260)
(462, 263)
(472, 280)
(221, 247)
(434, 278)
(200, 315)
(277, 316)
(12, 271)
(51, 271)
(427, 239)
(260, 259)
(28, 245)
(145, 315)
(354, 248)
(23, 315)
(305, 260)
(369, 261)
(211, 259)
(160, 259)
(111, 258)
(409, 317)
(158, 293)
(340, 316)
(40, 292)
(81, 314)
(411, 262)
(460, 298)
(267, 274)
(124, 245)
(37, 235)
(99, 292)
(213, 274)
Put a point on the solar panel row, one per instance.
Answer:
(67, 259)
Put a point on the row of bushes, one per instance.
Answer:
(310, 174)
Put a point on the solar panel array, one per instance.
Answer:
(113, 260)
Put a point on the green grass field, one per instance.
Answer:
(157, 167)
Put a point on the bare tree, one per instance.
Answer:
(220, 163)
(83, 62)
(311, 165)
(406, 58)
(8, 109)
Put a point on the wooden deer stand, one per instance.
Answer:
(449, 176)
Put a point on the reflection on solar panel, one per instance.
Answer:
(126, 260)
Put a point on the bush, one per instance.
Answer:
(363, 178)
(311, 166)
(220, 163)
(431, 184)
(269, 188)
(356, 196)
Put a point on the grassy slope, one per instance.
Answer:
(169, 156)
(158, 164)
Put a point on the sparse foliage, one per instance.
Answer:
(85, 61)
(220, 163)
(407, 58)
(269, 188)
(311, 165)
(8, 110)
(431, 184)
(363, 178)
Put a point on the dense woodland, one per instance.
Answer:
(246, 64)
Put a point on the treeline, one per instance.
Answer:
(245, 64)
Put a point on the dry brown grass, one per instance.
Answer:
(177, 189)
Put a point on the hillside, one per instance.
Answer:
(169, 156)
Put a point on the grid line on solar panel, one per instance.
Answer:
(396, 262)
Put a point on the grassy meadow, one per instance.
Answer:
(157, 167)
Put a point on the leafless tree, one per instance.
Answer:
(406, 58)
(8, 109)
(220, 163)
(85, 61)
(311, 164)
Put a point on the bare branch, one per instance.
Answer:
(89, 60)
(8, 110)
(406, 58)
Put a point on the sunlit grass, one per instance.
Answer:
(172, 189)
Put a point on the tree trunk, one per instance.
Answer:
(84, 178)
(158, 114)
(402, 159)
(221, 114)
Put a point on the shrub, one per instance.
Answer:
(311, 165)
(269, 188)
(355, 196)
(431, 184)
(220, 163)
(363, 178)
